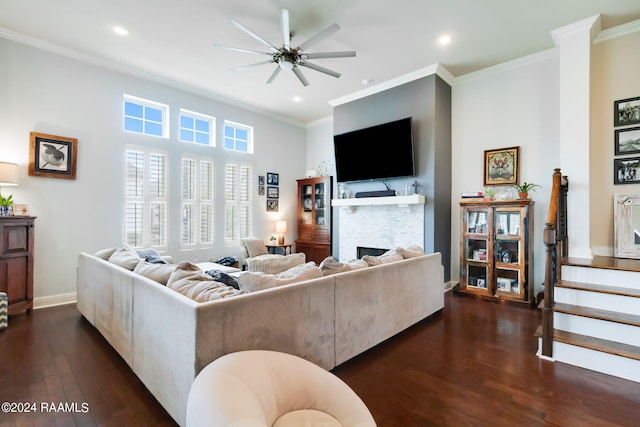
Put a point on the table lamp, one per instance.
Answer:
(281, 228)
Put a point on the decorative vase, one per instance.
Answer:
(5, 210)
(523, 194)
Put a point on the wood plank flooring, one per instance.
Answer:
(472, 365)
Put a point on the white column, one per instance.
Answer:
(574, 47)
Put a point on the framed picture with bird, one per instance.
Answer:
(52, 156)
(501, 166)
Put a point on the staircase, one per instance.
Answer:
(596, 316)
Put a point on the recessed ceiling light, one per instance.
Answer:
(444, 39)
(119, 30)
(297, 99)
(367, 81)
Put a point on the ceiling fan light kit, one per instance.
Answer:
(288, 58)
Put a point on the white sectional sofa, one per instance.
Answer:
(167, 338)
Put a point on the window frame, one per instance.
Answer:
(237, 126)
(145, 103)
(211, 134)
(237, 205)
(198, 202)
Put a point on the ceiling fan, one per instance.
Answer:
(291, 58)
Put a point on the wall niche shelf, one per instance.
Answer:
(400, 201)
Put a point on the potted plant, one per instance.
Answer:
(5, 204)
(524, 188)
(488, 194)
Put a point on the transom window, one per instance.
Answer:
(238, 137)
(197, 128)
(145, 117)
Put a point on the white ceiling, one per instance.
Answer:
(174, 39)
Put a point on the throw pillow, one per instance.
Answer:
(254, 246)
(371, 260)
(153, 259)
(257, 281)
(143, 253)
(194, 283)
(330, 266)
(390, 256)
(222, 277)
(125, 257)
(105, 254)
(410, 252)
(157, 272)
(275, 264)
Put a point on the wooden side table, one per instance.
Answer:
(16, 262)
(286, 248)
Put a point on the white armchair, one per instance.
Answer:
(260, 388)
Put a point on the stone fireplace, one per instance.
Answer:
(379, 222)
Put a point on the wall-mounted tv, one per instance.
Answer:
(377, 152)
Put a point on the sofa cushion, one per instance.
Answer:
(330, 266)
(189, 280)
(257, 281)
(125, 257)
(387, 257)
(411, 252)
(105, 254)
(275, 264)
(254, 246)
(157, 272)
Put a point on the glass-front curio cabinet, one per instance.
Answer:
(314, 218)
(496, 249)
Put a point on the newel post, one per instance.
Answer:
(549, 238)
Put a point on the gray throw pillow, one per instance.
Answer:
(222, 277)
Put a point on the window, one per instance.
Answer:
(145, 215)
(146, 117)
(238, 137)
(197, 203)
(197, 128)
(237, 203)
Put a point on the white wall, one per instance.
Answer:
(52, 94)
(514, 104)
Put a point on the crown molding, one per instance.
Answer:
(114, 66)
(592, 25)
(437, 69)
(619, 31)
(319, 122)
(545, 55)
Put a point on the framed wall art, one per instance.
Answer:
(272, 205)
(20, 210)
(502, 166)
(626, 111)
(627, 141)
(626, 170)
(273, 178)
(273, 193)
(52, 156)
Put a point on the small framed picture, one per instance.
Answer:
(272, 205)
(626, 170)
(627, 141)
(260, 179)
(260, 190)
(273, 178)
(273, 193)
(501, 166)
(20, 210)
(626, 111)
(52, 156)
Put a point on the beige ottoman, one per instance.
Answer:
(259, 388)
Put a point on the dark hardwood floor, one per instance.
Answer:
(472, 365)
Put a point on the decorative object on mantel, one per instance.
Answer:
(325, 168)
(416, 185)
(8, 177)
(310, 173)
(524, 188)
(502, 166)
(52, 156)
(488, 194)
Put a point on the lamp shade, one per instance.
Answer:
(8, 174)
(281, 226)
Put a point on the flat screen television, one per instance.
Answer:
(377, 152)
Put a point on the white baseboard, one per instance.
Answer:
(51, 301)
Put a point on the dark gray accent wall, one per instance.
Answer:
(428, 102)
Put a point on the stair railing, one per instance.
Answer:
(556, 243)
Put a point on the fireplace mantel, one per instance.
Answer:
(413, 199)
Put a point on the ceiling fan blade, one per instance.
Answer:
(300, 76)
(254, 35)
(320, 55)
(239, 49)
(270, 61)
(274, 75)
(319, 68)
(286, 38)
(320, 36)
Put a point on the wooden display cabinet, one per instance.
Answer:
(314, 218)
(16, 262)
(496, 250)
